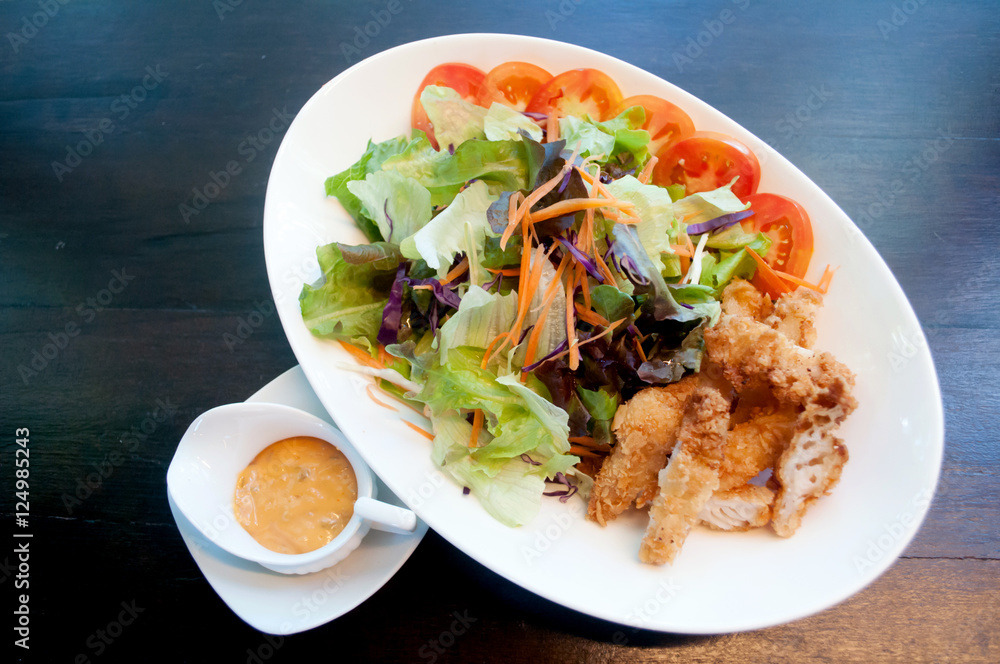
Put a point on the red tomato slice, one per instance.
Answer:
(665, 122)
(705, 161)
(578, 92)
(787, 224)
(464, 79)
(513, 84)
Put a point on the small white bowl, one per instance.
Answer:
(221, 442)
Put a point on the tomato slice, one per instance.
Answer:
(513, 84)
(787, 224)
(464, 79)
(578, 92)
(665, 122)
(705, 161)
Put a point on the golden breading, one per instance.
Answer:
(808, 469)
(690, 477)
(738, 509)
(741, 298)
(794, 315)
(751, 354)
(645, 428)
(755, 445)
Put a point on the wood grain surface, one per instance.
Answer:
(127, 304)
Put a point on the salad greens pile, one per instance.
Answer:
(520, 330)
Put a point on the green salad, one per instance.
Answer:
(517, 290)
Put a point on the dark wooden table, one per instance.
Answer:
(114, 311)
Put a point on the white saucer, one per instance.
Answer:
(281, 604)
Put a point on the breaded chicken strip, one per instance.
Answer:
(809, 467)
(646, 429)
(737, 509)
(752, 353)
(794, 315)
(756, 445)
(691, 475)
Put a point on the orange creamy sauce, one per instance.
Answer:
(296, 495)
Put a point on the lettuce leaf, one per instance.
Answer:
(610, 138)
(504, 123)
(461, 228)
(455, 120)
(659, 226)
(479, 319)
(370, 162)
(348, 305)
(399, 206)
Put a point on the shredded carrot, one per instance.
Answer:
(582, 440)
(507, 271)
(685, 264)
(767, 277)
(638, 348)
(589, 316)
(552, 128)
(514, 215)
(477, 427)
(361, 356)
(682, 250)
(574, 353)
(647, 170)
(827, 278)
(571, 205)
(603, 267)
(819, 288)
(459, 270)
(371, 395)
(422, 287)
(423, 432)
(582, 451)
(486, 355)
(383, 356)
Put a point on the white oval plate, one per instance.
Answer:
(281, 604)
(721, 582)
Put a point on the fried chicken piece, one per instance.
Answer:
(739, 508)
(752, 353)
(646, 429)
(741, 298)
(756, 445)
(794, 316)
(690, 477)
(809, 468)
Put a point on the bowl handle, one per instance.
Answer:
(384, 516)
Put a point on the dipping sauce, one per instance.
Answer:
(296, 495)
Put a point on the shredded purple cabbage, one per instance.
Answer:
(558, 349)
(385, 208)
(392, 315)
(582, 258)
(718, 223)
(535, 116)
(564, 494)
(527, 459)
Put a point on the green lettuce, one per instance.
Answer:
(659, 226)
(349, 303)
(504, 123)
(461, 228)
(370, 162)
(610, 138)
(399, 206)
(455, 120)
(481, 316)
